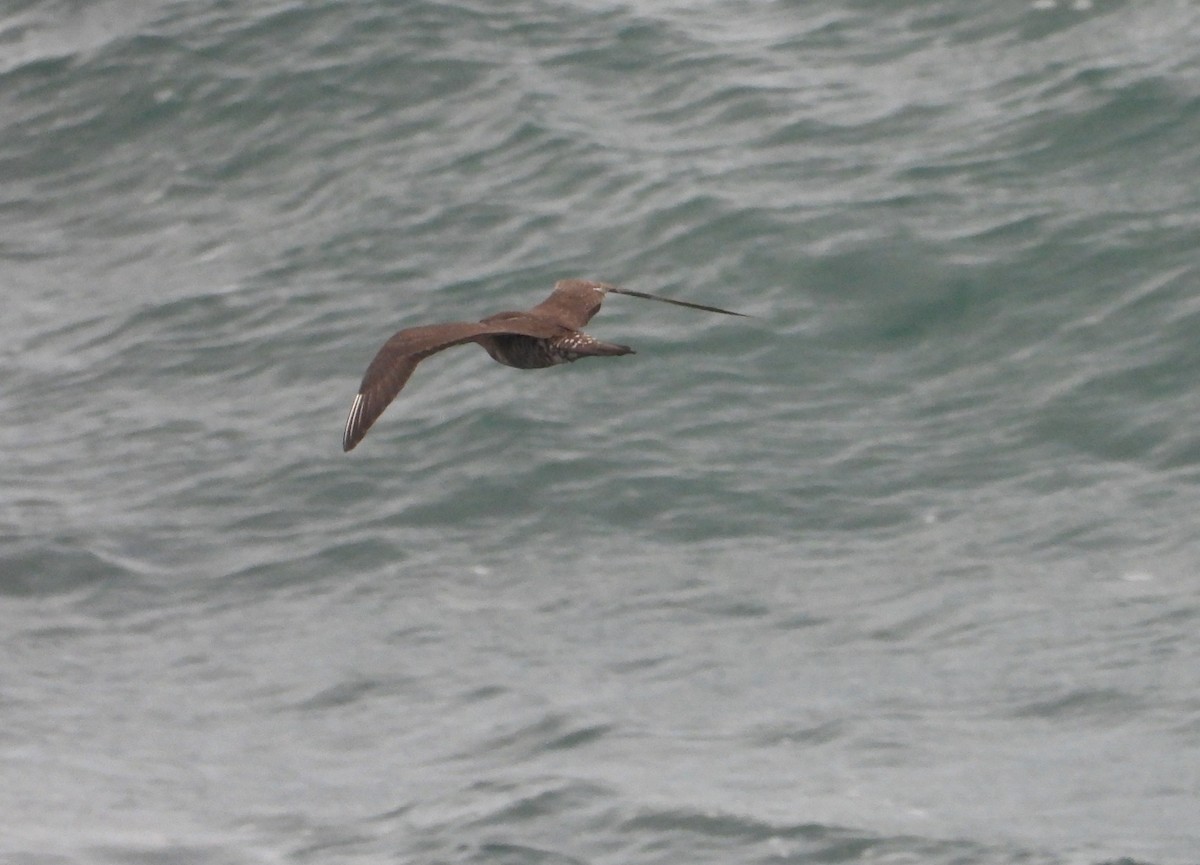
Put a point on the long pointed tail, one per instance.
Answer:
(646, 296)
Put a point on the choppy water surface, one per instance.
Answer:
(902, 570)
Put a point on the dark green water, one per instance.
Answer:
(902, 570)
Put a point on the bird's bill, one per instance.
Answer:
(645, 296)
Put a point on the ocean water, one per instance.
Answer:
(903, 569)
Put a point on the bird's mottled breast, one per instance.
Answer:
(522, 352)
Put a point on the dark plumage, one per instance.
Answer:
(547, 335)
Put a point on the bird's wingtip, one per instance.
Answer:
(353, 433)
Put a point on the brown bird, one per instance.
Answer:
(547, 335)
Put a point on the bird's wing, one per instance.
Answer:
(574, 301)
(395, 361)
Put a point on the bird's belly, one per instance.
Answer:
(525, 352)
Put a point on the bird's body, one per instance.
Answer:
(547, 335)
(529, 352)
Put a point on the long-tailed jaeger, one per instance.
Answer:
(547, 335)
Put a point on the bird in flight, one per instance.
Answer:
(547, 335)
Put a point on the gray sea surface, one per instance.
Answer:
(903, 569)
